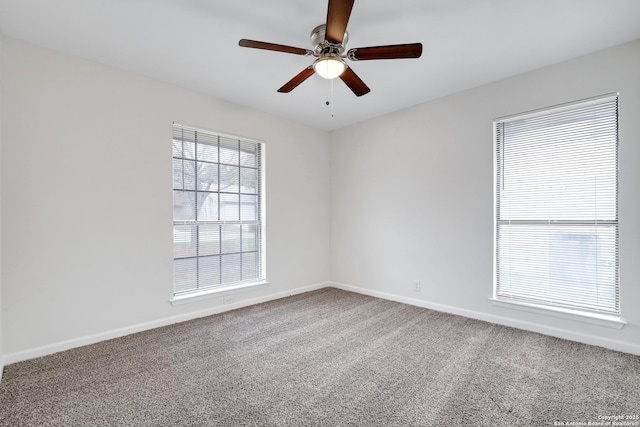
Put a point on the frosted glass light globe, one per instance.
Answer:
(329, 67)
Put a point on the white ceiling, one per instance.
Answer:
(194, 44)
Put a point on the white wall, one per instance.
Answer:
(412, 195)
(87, 206)
(87, 201)
(1, 310)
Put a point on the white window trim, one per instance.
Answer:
(217, 292)
(597, 319)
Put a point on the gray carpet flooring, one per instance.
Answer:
(325, 358)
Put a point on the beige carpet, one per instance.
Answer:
(325, 358)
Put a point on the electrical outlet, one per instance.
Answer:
(227, 300)
(417, 286)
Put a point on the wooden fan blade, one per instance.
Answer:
(354, 82)
(295, 82)
(337, 19)
(276, 47)
(396, 51)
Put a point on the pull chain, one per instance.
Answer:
(329, 103)
(332, 97)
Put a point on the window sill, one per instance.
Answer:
(218, 292)
(605, 320)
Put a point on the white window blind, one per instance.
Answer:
(556, 207)
(217, 210)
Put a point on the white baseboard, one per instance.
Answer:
(505, 321)
(45, 350)
(611, 344)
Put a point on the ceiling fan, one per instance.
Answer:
(329, 40)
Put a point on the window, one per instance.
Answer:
(217, 210)
(556, 207)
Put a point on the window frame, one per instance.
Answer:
(202, 140)
(611, 318)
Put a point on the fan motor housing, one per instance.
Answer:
(321, 45)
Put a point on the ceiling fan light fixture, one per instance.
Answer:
(329, 66)
(329, 41)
